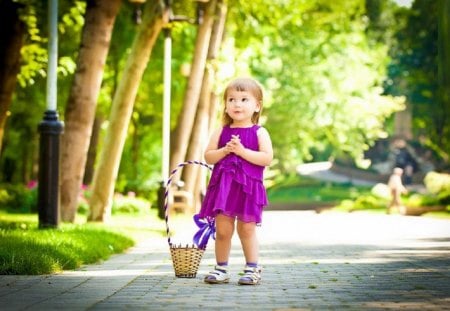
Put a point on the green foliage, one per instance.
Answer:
(130, 205)
(21, 138)
(34, 52)
(24, 249)
(18, 198)
(322, 74)
(369, 202)
(412, 73)
(303, 190)
(363, 202)
(439, 184)
(322, 63)
(20, 146)
(420, 200)
(378, 199)
(141, 159)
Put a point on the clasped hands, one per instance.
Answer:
(234, 146)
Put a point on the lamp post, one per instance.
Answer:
(50, 130)
(167, 82)
(137, 13)
(167, 77)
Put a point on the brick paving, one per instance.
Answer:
(327, 261)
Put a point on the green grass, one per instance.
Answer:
(304, 190)
(344, 197)
(25, 249)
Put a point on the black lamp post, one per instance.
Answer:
(50, 130)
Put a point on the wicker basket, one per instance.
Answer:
(185, 259)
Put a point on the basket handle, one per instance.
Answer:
(166, 193)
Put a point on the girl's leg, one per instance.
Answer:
(224, 233)
(249, 241)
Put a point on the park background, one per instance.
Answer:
(359, 84)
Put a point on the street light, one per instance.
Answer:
(167, 82)
(137, 13)
(50, 129)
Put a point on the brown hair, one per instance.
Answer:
(243, 85)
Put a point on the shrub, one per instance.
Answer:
(363, 202)
(369, 202)
(130, 204)
(18, 198)
(439, 184)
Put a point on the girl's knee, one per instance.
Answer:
(246, 230)
(224, 234)
(224, 229)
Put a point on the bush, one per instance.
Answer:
(369, 202)
(363, 202)
(439, 184)
(18, 198)
(129, 204)
(22, 199)
(418, 200)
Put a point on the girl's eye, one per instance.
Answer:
(244, 100)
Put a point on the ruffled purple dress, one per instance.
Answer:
(236, 186)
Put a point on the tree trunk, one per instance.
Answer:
(192, 95)
(121, 110)
(403, 123)
(92, 151)
(444, 72)
(11, 40)
(200, 132)
(82, 102)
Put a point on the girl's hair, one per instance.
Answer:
(243, 85)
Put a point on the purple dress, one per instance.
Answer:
(236, 186)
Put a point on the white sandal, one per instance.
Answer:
(252, 276)
(218, 276)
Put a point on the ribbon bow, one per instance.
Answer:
(207, 229)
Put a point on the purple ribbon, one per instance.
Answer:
(207, 229)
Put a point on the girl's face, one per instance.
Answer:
(240, 106)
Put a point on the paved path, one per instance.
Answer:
(311, 261)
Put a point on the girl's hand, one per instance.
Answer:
(235, 146)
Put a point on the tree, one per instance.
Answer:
(11, 41)
(415, 72)
(322, 77)
(444, 73)
(106, 172)
(186, 117)
(20, 140)
(80, 109)
(205, 110)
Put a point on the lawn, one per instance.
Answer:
(305, 191)
(25, 249)
(297, 192)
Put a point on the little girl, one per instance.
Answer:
(239, 150)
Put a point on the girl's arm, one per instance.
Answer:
(262, 157)
(213, 153)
